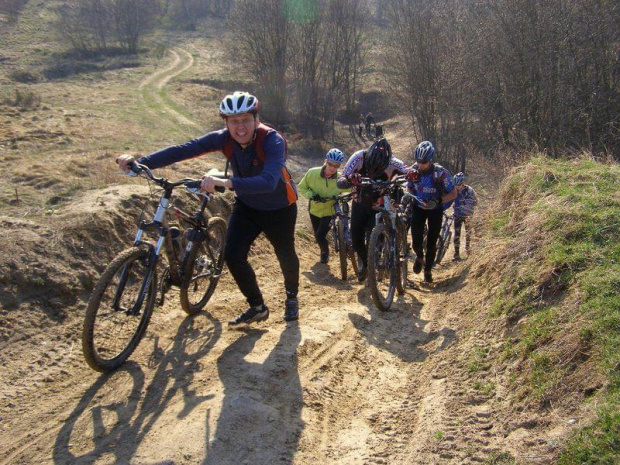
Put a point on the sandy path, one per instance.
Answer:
(346, 384)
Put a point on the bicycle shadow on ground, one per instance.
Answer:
(456, 282)
(109, 409)
(322, 275)
(400, 330)
(260, 421)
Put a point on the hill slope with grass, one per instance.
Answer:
(548, 286)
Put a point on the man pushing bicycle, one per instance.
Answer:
(265, 199)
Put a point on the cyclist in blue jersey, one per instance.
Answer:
(464, 206)
(432, 186)
(377, 163)
(265, 199)
(319, 183)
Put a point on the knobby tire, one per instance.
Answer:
(379, 267)
(342, 248)
(199, 282)
(99, 311)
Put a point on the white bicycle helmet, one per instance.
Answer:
(335, 156)
(459, 178)
(238, 103)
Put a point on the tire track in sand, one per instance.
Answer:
(152, 88)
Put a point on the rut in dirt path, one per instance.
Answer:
(152, 88)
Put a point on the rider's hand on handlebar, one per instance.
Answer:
(354, 178)
(209, 183)
(413, 175)
(124, 161)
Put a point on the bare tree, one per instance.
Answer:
(12, 8)
(260, 43)
(132, 18)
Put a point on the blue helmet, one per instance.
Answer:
(424, 151)
(459, 178)
(335, 156)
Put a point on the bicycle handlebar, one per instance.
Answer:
(335, 198)
(192, 185)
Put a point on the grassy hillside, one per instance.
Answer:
(549, 279)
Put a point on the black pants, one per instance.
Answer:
(458, 223)
(418, 219)
(321, 228)
(244, 226)
(362, 222)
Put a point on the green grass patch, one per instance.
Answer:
(565, 283)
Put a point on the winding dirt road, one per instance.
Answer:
(152, 87)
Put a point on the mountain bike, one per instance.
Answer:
(341, 232)
(445, 237)
(388, 247)
(121, 304)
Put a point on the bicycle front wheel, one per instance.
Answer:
(202, 268)
(442, 248)
(119, 309)
(381, 271)
(342, 248)
(402, 253)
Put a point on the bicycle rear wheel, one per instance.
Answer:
(113, 326)
(381, 272)
(342, 248)
(202, 268)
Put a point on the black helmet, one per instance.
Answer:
(377, 158)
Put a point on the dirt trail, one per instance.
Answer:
(346, 384)
(151, 87)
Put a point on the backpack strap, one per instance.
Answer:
(262, 131)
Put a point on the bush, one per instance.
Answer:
(24, 76)
(26, 100)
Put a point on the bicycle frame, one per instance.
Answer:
(159, 223)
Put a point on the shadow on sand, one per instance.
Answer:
(260, 421)
(400, 330)
(121, 410)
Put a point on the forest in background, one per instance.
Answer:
(474, 76)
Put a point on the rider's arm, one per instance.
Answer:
(267, 180)
(303, 186)
(449, 196)
(449, 191)
(353, 165)
(212, 142)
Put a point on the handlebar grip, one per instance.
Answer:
(195, 185)
(134, 169)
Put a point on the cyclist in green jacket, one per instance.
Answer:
(317, 184)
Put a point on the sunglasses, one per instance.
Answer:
(331, 164)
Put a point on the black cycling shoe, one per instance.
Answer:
(417, 265)
(251, 315)
(363, 272)
(291, 309)
(428, 276)
(324, 257)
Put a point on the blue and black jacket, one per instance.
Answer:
(260, 182)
